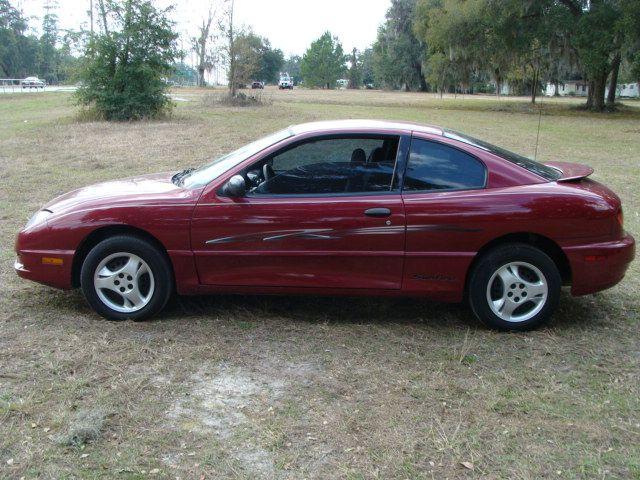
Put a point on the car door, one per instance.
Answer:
(322, 213)
(444, 205)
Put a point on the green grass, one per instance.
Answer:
(295, 387)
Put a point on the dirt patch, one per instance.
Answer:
(222, 401)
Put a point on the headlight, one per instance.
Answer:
(38, 218)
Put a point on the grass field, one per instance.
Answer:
(270, 387)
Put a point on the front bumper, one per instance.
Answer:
(599, 266)
(50, 267)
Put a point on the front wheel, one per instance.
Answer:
(126, 278)
(514, 287)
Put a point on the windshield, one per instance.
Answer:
(206, 173)
(548, 173)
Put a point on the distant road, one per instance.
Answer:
(17, 89)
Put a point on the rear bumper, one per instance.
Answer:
(599, 266)
(50, 267)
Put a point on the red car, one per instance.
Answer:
(345, 208)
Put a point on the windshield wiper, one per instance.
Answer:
(177, 178)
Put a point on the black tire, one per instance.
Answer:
(156, 261)
(494, 260)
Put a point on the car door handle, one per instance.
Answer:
(377, 212)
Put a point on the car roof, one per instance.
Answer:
(363, 125)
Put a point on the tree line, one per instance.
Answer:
(22, 53)
(478, 46)
(466, 46)
(461, 45)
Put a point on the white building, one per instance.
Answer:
(580, 88)
(628, 90)
(575, 88)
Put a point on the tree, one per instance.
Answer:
(323, 63)
(398, 53)
(355, 70)
(230, 49)
(511, 40)
(18, 51)
(271, 61)
(600, 33)
(366, 61)
(125, 67)
(247, 57)
(292, 67)
(48, 55)
(630, 58)
(71, 43)
(202, 47)
(597, 43)
(439, 72)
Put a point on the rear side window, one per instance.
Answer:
(434, 166)
(546, 172)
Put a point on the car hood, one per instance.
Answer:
(146, 189)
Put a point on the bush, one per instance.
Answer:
(124, 69)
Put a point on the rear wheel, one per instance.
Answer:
(514, 287)
(126, 278)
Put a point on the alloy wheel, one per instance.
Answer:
(124, 282)
(517, 291)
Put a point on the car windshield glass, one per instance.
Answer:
(206, 173)
(546, 172)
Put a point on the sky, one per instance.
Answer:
(290, 25)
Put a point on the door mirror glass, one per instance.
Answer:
(235, 187)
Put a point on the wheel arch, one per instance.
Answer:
(548, 246)
(102, 233)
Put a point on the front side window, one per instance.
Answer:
(348, 165)
(434, 166)
(206, 173)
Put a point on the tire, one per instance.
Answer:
(514, 287)
(136, 276)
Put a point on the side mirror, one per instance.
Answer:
(235, 187)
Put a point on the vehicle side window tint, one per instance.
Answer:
(328, 166)
(435, 166)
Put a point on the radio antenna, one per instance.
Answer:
(535, 155)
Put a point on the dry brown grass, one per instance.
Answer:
(288, 387)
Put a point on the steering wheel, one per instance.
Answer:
(268, 172)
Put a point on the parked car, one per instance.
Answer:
(257, 85)
(32, 82)
(285, 82)
(346, 208)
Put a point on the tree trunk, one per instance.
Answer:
(534, 87)
(423, 82)
(615, 68)
(232, 55)
(201, 76)
(91, 17)
(556, 93)
(590, 89)
(599, 86)
(103, 11)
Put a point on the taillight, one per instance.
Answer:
(620, 218)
